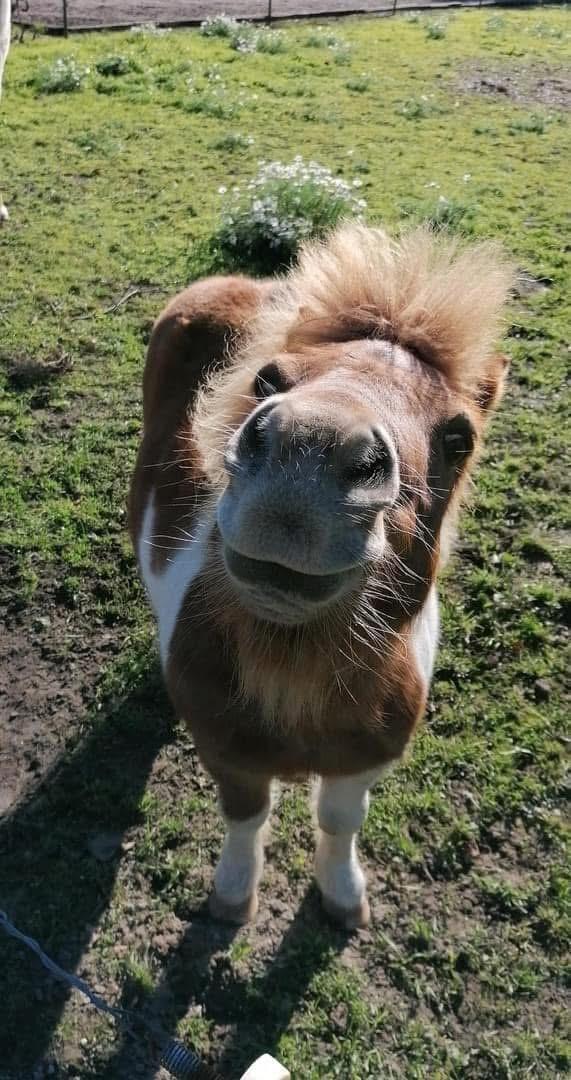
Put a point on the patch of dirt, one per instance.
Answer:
(48, 669)
(526, 84)
(25, 372)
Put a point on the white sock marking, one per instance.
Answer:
(342, 805)
(242, 860)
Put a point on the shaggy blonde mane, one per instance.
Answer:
(423, 291)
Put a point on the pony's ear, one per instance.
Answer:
(490, 389)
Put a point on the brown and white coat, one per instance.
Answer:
(306, 442)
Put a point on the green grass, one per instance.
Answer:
(113, 193)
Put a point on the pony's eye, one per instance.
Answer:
(270, 380)
(458, 439)
(455, 446)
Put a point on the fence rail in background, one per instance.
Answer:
(61, 15)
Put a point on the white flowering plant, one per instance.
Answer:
(244, 40)
(149, 29)
(222, 26)
(264, 222)
(64, 76)
(244, 37)
(435, 30)
(270, 41)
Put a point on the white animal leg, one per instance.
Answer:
(342, 805)
(237, 876)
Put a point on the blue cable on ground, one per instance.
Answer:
(183, 1064)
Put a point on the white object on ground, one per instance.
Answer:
(266, 1068)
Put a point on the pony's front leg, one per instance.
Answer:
(342, 805)
(246, 804)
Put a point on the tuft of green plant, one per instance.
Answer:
(64, 76)
(208, 105)
(233, 140)
(360, 85)
(319, 39)
(435, 31)
(508, 901)
(264, 223)
(115, 64)
(450, 214)
(544, 30)
(494, 24)
(341, 55)
(534, 124)
(415, 109)
(137, 976)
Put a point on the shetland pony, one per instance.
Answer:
(306, 445)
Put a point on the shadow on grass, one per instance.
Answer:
(51, 887)
(261, 1010)
(252, 1014)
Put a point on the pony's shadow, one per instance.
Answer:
(55, 890)
(251, 1013)
(51, 886)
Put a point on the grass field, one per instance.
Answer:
(109, 831)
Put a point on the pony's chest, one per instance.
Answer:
(168, 580)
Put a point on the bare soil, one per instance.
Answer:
(526, 84)
(48, 669)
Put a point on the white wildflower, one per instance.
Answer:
(283, 205)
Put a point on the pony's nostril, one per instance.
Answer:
(251, 435)
(373, 461)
